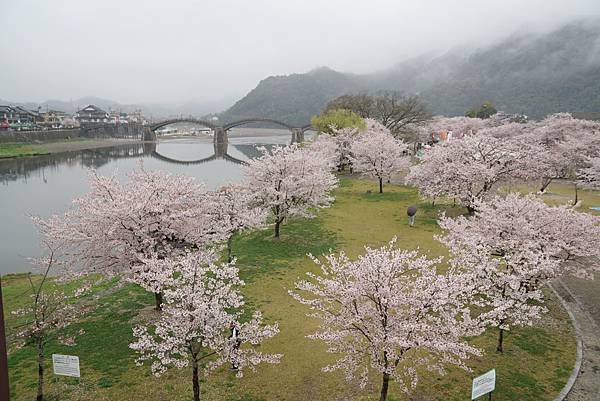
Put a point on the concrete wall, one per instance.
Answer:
(39, 136)
(90, 131)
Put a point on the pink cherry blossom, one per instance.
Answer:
(567, 144)
(378, 154)
(290, 181)
(469, 169)
(116, 226)
(459, 126)
(513, 246)
(231, 207)
(590, 176)
(202, 306)
(391, 312)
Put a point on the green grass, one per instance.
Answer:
(534, 367)
(17, 150)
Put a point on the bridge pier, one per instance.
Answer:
(220, 137)
(297, 135)
(148, 135)
(220, 149)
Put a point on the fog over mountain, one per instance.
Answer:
(200, 57)
(169, 53)
(535, 74)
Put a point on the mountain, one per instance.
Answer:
(293, 98)
(194, 107)
(534, 74)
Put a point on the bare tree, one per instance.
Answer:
(396, 112)
(390, 108)
(361, 104)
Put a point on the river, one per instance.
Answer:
(46, 185)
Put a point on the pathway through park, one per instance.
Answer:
(583, 299)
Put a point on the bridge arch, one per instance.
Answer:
(164, 123)
(308, 127)
(168, 159)
(220, 152)
(255, 120)
(225, 157)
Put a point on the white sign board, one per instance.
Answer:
(66, 365)
(483, 384)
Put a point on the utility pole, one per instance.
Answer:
(4, 388)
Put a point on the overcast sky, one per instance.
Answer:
(172, 51)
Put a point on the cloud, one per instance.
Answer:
(170, 52)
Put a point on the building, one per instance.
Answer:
(18, 117)
(92, 114)
(53, 118)
(136, 117)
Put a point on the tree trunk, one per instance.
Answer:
(500, 340)
(40, 386)
(277, 224)
(545, 184)
(381, 185)
(576, 193)
(158, 299)
(471, 210)
(229, 258)
(384, 387)
(195, 381)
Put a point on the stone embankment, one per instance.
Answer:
(121, 131)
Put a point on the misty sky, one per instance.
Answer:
(175, 50)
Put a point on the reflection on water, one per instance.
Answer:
(45, 185)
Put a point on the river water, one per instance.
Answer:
(45, 185)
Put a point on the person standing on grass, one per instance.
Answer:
(411, 211)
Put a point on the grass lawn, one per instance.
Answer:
(535, 366)
(19, 149)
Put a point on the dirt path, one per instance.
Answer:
(582, 297)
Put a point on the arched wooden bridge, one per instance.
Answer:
(220, 131)
(219, 153)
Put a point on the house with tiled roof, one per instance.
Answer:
(92, 114)
(17, 115)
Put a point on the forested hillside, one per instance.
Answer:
(527, 73)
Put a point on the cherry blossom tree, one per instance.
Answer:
(337, 145)
(331, 148)
(513, 246)
(49, 311)
(231, 208)
(390, 312)
(567, 143)
(590, 176)
(290, 181)
(202, 304)
(115, 226)
(469, 169)
(459, 126)
(378, 154)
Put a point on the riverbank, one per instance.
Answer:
(535, 365)
(12, 150)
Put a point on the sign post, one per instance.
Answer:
(484, 384)
(66, 365)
